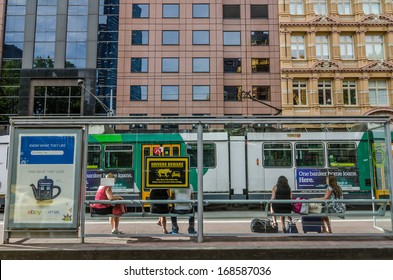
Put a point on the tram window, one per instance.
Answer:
(309, 154)
(209, 155)
(277, 155)
(118, 156)
(93, 156)
(341, 154)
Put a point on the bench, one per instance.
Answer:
(381, 211)
(137, 204)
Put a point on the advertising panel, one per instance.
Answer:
(315, 179)
(124, 180)
(46, 178)
(167, 172)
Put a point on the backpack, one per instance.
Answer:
(263, 225)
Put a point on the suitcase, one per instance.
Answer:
(312, 224)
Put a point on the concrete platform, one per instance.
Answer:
(227, 236)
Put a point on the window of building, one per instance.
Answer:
(140, 10)
(231, 11)
(322, 47)
(346, 47)
(259, 11)
(200, 11)
(232, 93)
(232, 65)
(201, 37)
(374, 47)
(139, 64)
(231, 38)
(344, 7)
(259, 38)
(261, 92)
(297, 47)
(140, 37)
(76, 34)
(296, 7)
(299, 89)
(138, 93)
(169, 93)
(260, 65)
(325, 92)
(170, 10)
(201, 64)
(45, 34)
(378, 92)
(57, 101)
(170, 64)
(170, 37)
(349, 92)
(200, 93)
(320, 7)
(372, 7)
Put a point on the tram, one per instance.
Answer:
(247, 166)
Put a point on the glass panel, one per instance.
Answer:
(231, 38)
(232, 65)
(201, 65)
(259, 38)
(118, 156)
(140, 37)
(277, 155)
(200, 10)
(341, 154)
(170, 10)
(138, 93)
(94, 156)
(170, 93)
(310, 154)
(232, 93)
(170, 65)
(209, 155)
(170, 37)
(201, 37)
(200, 92)
(140, 10)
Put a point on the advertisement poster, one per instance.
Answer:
(124, 180)
(169, 172)
(314, 179)
(45, 188)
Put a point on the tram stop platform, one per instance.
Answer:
(227, 235)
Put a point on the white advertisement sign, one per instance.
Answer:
(45, 188)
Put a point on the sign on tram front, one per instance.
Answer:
(167, 172)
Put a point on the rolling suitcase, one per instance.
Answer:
(312, 224)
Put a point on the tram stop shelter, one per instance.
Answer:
(53, 169)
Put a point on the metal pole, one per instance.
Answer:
(200, 181)
(388, 143)
(10, 161)
(82, 187)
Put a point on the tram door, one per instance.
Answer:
(156, 150)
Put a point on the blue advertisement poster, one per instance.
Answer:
(315, 179)
(46, 179)
(124, 180)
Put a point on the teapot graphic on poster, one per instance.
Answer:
(44, 190)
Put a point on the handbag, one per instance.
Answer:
(290, 227)
(119, 209)
(300, 208)
(263, 225)
(315, 207)
(337, 207)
